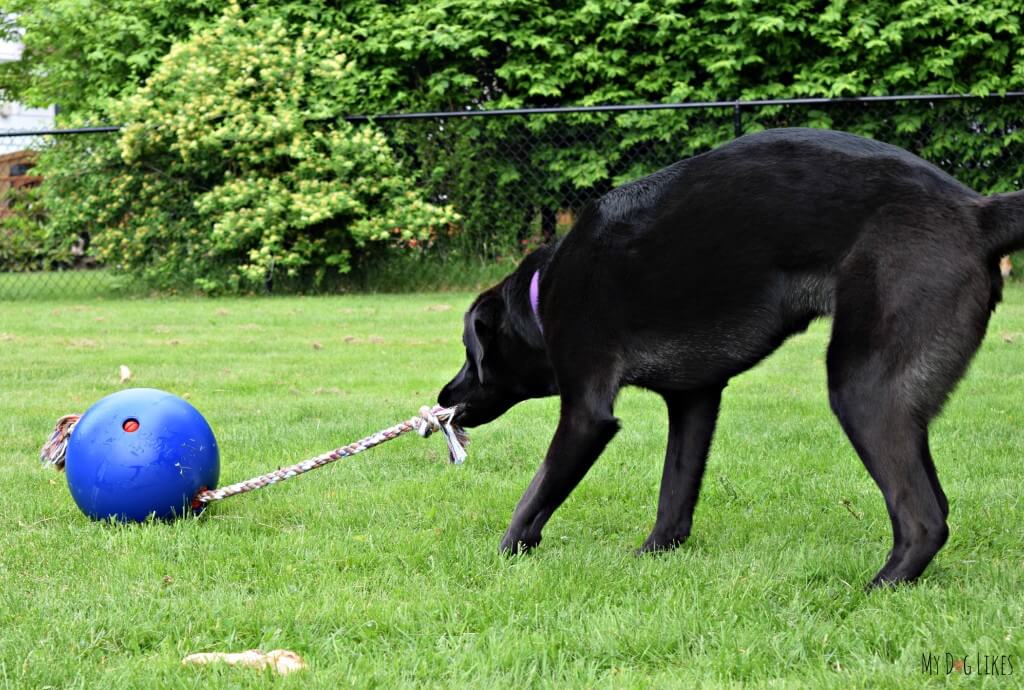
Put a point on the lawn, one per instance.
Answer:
(382, 570)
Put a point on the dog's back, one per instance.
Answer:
(797, 197)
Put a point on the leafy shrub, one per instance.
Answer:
(478, 53)
(233, 165)
(26, 242)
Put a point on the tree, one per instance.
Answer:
(84, 55)
(234, 166)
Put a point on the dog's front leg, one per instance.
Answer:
(691, 425)
(583, 432)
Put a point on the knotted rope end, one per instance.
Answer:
(54, 451)
(441, 419)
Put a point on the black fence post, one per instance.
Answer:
(737, 119)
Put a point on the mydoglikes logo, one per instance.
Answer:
(977, 664)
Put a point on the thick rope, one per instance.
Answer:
(429, 420)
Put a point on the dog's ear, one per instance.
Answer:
(482, 323)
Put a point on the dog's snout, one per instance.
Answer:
(445, 398)
(454, 391)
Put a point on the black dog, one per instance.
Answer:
(683, 279)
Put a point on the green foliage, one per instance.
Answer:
(519, 53)
(84, 55)
(508, 176)
(27, 243)
(233, 166)
(20, 247)
(452, 55)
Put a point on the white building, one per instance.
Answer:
(15, 116)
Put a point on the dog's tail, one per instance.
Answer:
(1002, 221)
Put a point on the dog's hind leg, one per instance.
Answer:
(890, 443)
(585, 427)
(902, 338)
(691, 420)
(933, 477)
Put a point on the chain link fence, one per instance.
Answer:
(518, 178)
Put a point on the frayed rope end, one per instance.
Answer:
(457, 440)
(55, 450)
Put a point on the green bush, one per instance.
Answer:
(477, 53)
(27, 243)
(233, 167)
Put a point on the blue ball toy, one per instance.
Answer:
(138, 453)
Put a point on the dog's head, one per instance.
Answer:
(506, 362)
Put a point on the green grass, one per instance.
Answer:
(382, 570)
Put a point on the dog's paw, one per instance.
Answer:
(513, 544)
(658, 544)
(888, 582)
